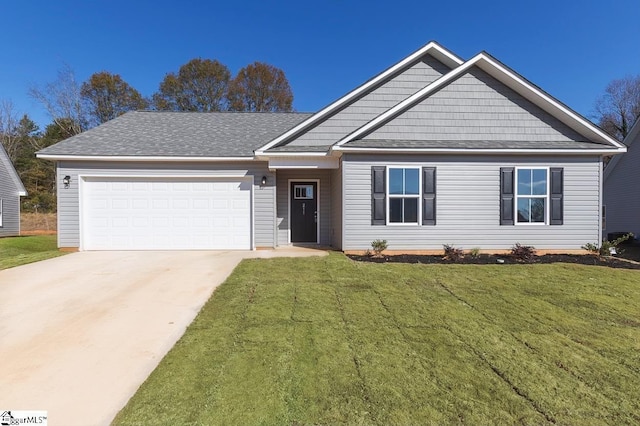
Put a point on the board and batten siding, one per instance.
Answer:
(476, 107)
(622, 192)
(10, 201)
(69, 207)
(468, 204)
(374, 103)
(325, 213)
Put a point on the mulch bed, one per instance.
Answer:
(489, 259)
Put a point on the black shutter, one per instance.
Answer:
(378, 195)
(428, 195)
(556, 198)
(506, 195)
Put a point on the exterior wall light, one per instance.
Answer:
(263, 181)
(66, 181)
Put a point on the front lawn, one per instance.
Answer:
(329, 340)
(16, 251)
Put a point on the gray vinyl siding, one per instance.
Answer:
(622, 193)
(336, 208)
(374, 103)
(10, 201)
(325, 210)
(467, 204)
(475, 107)
(68, 201)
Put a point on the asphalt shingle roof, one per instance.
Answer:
(179, 134)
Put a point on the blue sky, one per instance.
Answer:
(570, 48)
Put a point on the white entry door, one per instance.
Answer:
(165, 213)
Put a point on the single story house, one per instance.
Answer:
(622, 188)
(434, 150)
(11, 189)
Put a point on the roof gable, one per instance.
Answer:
(371, 104)
(475, 107)
(6, 164)
(509, 79)
(432, 49)
(632, 137)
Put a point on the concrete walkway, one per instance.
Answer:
(80, 333)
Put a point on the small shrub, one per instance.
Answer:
(378, 246)
(523, 253)
(475, 252)
(611, 247)
(607, 248)
(591, 248)
(452, 253)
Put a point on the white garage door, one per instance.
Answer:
(165, 214)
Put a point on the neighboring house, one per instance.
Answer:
(434, 150)
(11, 189)
(622, 188)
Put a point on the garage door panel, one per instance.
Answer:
(155, 213)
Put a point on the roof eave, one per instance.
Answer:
(496, 151)
(128, 158)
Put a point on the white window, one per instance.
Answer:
(403, 195)
(532, 193)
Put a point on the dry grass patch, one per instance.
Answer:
(38, 223)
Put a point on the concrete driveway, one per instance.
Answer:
(80, 333)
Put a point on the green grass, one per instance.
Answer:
(331, 341)
(16, 251)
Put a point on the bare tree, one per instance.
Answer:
(9, 130)
(619, 107)
(63, 101)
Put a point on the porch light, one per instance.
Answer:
(66, 181)
(264, 180)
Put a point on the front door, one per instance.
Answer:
(304, 212)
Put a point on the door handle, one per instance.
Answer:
(303, 205)
(315, 216)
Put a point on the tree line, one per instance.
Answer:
(200, 85)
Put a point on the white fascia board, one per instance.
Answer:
(432, 48)
(292, 154)
(54, 157)
(505, 151)
(303, 163)
(496, 70)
